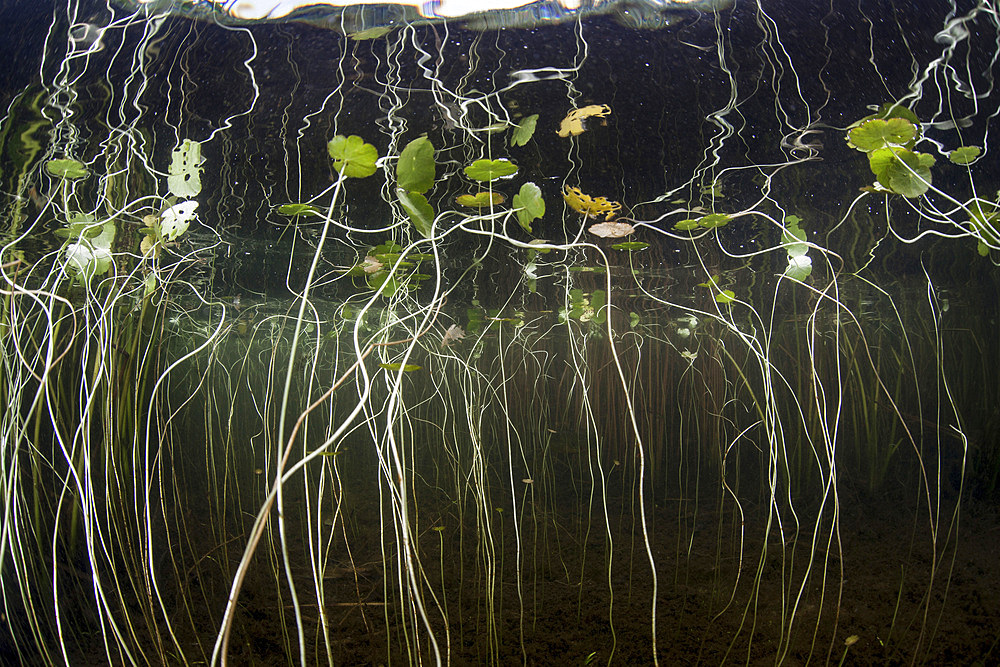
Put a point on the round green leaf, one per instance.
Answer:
(686, 225)
(69, 169)
(726, 296)
(964, 154)
(524, 130)
(902, 171)
(415, 167)
(714, 220)
(877, 133)
(352, 156)
(489, 170)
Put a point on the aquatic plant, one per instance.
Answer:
(286, 372)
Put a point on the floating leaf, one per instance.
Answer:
(799, 267)
(611, 230)
(298, 209)
(370, 33)
(572, 124)
(589, 206)
(529, 205)
(175, 220)
(407, 368)
(524, 130)
(384, 283)
(877, 133)
(631, 246)
(421, 213)
(185, 170)
(352, 156)
(687, 225)
(714, 220)
(69, 169)
(415, 167)
(480, 199)
(489, 170)
(726, 296)
(902, 171)
(964, 154)
(793, 237)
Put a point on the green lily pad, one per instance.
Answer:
(687, 225)
(877, 133)
(480, 199)
(406, 368)
(529, 205)
(904, 172)
(298, 209)
(490, 170)
(421, 213)
(714, 220)
(352, 156)
(69, 169)
(384, 283)
(631, 246)
(964, 154)
(415, 167)
(524, 130)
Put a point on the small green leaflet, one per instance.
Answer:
(524, 130)
(352, 156)
(529, 205)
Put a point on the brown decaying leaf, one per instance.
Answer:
(611, 230)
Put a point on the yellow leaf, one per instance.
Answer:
(590, 206)
(573, 122)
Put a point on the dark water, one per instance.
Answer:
(609, 458)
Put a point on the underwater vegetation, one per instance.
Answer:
(357, 338)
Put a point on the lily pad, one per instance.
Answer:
(352, 156)
(799, 267)
(904, 172)
(480, 199)
(524, 130)
(964, 154)
(714, 220)
(185, 170)
(877, 133)
(421, 213)
(298, 209)
(490, 170)
(69, 169)
(687, 225)
(631, 246)
(415, 167)
(175, 220)
(529, 205)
